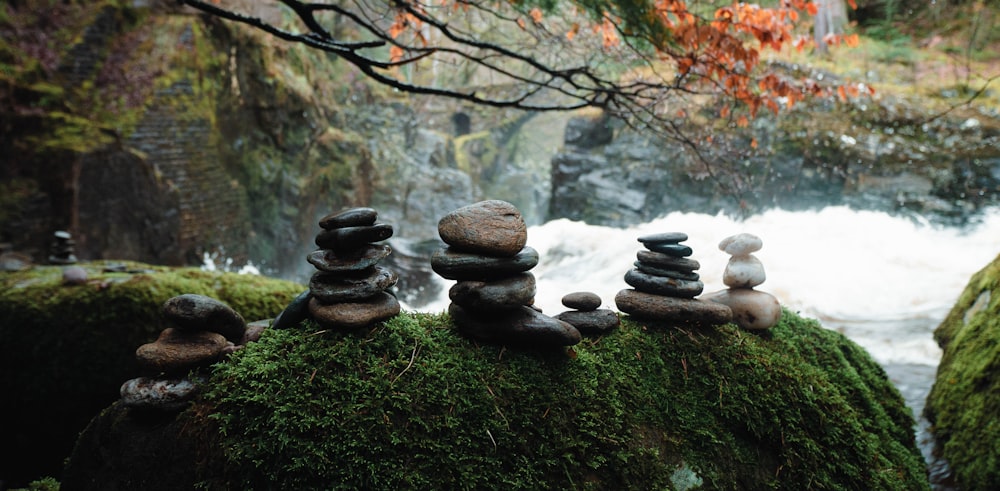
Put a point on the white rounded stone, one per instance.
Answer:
(744, 272)
(751, 309)
(741, 244)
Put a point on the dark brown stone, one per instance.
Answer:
(351, 286)
(348, 238)
(356, 260)
(177, 351)
(591, 322)
(191, 312)
(664, 271)
(522, 326)
(354, 315)
(294, 313)
(456, 265)
(657, 307)
(662, 285)
(659, 259)
(585, 301)
(502, 294)
(494, 228)
(353, 217)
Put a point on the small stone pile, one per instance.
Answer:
(752, 309)
(203, 331)
(492, 299)
(665, 284)
(62, 250)
(587, 317)
(350, 290)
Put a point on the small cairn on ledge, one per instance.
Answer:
(62, 251)
(752, 309)
(586, 315)
(492, 300)
(203, 331)
(350, 290)
(665, 284)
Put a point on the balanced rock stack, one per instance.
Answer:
(203, 331)
(586, 315)
(62, 250)
(350, 290)
(751, 309)
(665, 284)
(492, 299)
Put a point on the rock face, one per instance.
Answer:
(486, 252)
(752, 309)
(413, 406)
(665, 284)
(965, 400)
(350, 290)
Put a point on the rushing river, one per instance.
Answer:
(883, 281)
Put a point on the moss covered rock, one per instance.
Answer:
(65, 350)
(964, 403)
(413, 405)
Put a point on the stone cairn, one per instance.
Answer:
(752, 309)
(665, 284)
(62, 249)
(492, 299)
(203, 331)
(586, 315)
(350, 290)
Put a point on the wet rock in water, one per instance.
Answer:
(74, 275)
(492, 228)
(455, 265)
(662, 308)
(191, 312)
(176, 352)
(352, 217)
(585, 301)
(519, 326)
(343, 261)
(348, 287)
(354, 315)
(665, 284)
(751, 309)
(170, 394)
(294, 313)
(353, 237)
(505, 293)
(591, 322)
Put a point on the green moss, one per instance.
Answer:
(64, 350)
(965, 400)
(413, 405)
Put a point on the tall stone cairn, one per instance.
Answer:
(349, 289)
(492, 300)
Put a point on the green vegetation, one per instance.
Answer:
(65, 350)
(411, 404)
(965, 400)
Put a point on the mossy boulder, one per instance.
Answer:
(65, 350)
(411, 404)
(964, 403)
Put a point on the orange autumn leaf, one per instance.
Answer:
(395, 53)
(753, 143)
(742, 122)
(724, 113)
(536, 15)
(852, 40)
(573, 31)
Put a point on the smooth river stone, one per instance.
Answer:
(351, 286)
(663, 271)
(353, 217)
(744, 272)
(177, 351)
(662, 285)
(294, 313)
(191, 312)
(347, 238)
(664, 238)
(648, 306)
(334, 262)
(751, 309)
(664, 260)
(455, 265)
(354, 315)
(673, 250)
(494, 295)
(584, 301)
(160, 394)
(741, 244)
(591, 322)
(494, 228)
(523, 326)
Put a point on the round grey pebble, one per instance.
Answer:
(583, 301)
